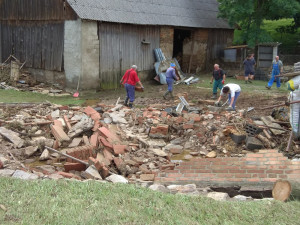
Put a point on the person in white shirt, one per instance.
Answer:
(233, 91)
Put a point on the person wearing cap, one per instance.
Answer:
(218, 76)
(170, 77)
(129, 80)
(233, 91)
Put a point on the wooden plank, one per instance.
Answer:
(268, 120)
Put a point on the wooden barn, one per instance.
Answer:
(95, 41)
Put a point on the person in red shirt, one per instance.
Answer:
(129, 80)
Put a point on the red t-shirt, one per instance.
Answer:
(132, 79)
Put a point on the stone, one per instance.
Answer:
(47, 169)
(188, 157)
(237, 138)
(117, 179)
(159, 152)
(6, 172)
(252, 143)
(75, 142)
(156, 143)
(55, 176)
(29, 151)
(214, 108)
(107, 120)
(91, 173)
(4, 161)
(176, 141)
(171, 146)
(188, 145)
(189, 188)
(45, 155)
(242, 198)
(55, 114)
(147, 177)
(194, 153)
(24, 175)
(158, 187)
(13, 137)
(218, 196)
(176, 151)
(118, 117)
(211, 154)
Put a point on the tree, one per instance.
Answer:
(250, 14)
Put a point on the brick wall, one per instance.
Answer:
(167, 40)
(264, 167)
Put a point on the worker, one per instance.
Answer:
(129, 80)
(218, 77)
(170, 77)
(233, 91)
(277, 68)
(249, 63)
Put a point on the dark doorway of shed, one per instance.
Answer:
(179, 37)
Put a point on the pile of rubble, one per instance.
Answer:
(96, 143)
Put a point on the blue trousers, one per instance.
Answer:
(237, 94)
(130, 90)
(271, 81)
(170, 82)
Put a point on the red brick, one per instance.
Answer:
(273, 155)
(191, 175)
(89, 111)
(105, 142)
(242, 175)
(109, 135)
(68, 175)
(254, 155)
(253, 180)
(104, 172)
(119, 149)
(168, 167)
(107, 155)
(220, 171)
(178, 119)
(237, 171)
(281, 176)
(164, 114)
(207, 175)
(119, 162)
(270, 175)
(174, 175)
(293, 172)
(1, 165)
(168, 179)
(56, 144)
(96, 125)
(74, 166)
(202, 171)
(59, 133)
(92, 161)
(187, 126)
(187, 171)
(94, 139)
(67, 122)
(147, 177)
(255, 171)
(58, 123)
(96, 116)
(268, 151)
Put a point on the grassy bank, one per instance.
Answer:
(65, 202)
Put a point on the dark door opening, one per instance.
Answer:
(179, 37)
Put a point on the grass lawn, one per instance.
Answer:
(72, 202)
(12, 96)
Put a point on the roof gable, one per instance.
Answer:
(185, 13)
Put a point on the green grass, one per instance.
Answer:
(257, 86)
(71, 202)
(12, 96)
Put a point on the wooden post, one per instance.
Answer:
(192, 51)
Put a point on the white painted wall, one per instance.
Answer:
(90, 55)
(72, 53)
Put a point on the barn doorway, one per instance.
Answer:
(180, 36)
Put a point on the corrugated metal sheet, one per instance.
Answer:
(185, 13)
(40, 44)
(121, 46)
(35, 10)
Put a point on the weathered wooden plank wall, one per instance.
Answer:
(40, 44)
(121, 46)
(218, 40)
(36, 10)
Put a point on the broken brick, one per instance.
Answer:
(68, 175)
(86, 140)
(119, 149)
(59, 133)
(107, 155)
(119, 163)
(74, 166)
(147, 177)
(89, 111)
(58, 123)
(104, 172)
(96, 116)
(187, 126)
(164, 114)
(109, 135)
(105, 142)
(96, 125)
(94, 139)
(168, 167)
(67, 122)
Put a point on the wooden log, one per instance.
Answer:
(293, 74)
(281, 190)
(267, 134)
(289, 142)
(283, 104)
(264, 140)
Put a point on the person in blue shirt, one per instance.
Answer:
(170, 77)
(277, 68)
(249, 63)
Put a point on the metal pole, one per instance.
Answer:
(68, 156)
